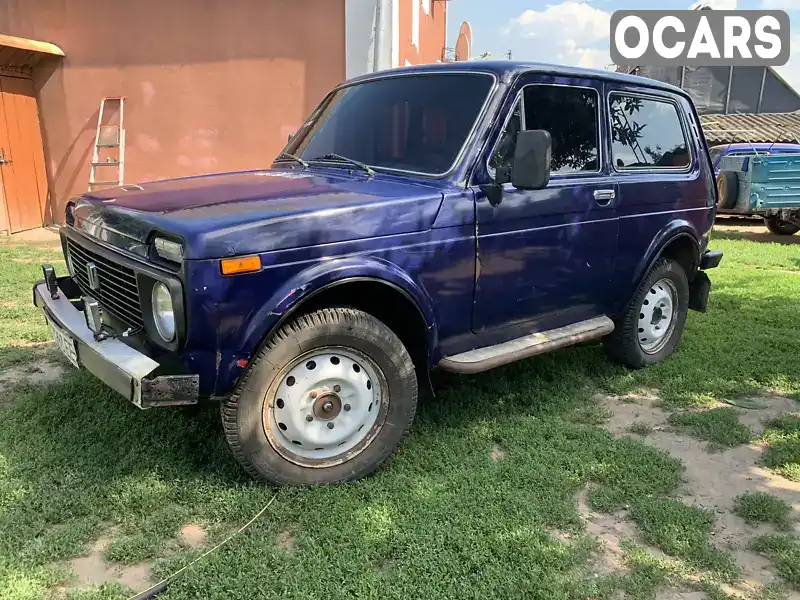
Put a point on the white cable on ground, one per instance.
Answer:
(161, 585)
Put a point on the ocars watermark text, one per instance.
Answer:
(700, 37)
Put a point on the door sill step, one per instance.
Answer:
(483, 359)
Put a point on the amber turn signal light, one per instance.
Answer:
(245, 264)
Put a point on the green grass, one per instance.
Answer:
(445, 521)
(720, 426)
(783, 452)
(760, 507)
(784, 552)
(682, 531)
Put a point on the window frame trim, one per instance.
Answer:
(520, 98)
(681, 119)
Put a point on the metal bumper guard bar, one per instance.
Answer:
(116, 364)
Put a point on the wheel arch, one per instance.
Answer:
(376, 287)
(678, 241)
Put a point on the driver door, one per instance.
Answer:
(545, 258)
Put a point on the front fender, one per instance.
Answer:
(669, 233)
(322, 275)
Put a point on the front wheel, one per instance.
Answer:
(650, 328)
(329, 399)
(779, 227)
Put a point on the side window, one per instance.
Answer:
(571, 116)
(647, 133)
(575, 137)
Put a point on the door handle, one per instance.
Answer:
(604, 197)
(3, 159)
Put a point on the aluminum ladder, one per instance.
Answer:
(109, 144)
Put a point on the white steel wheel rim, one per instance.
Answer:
(328, 405)
(657, 316)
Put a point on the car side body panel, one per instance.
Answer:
(434, 268)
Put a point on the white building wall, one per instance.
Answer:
(360, 36)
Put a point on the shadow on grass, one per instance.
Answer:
(756, 236)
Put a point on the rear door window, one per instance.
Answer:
(647, 133)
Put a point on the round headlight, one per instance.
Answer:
(163, 315)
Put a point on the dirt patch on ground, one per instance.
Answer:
(192, 536)
(92, 570)
(678, 594)
(497, 453)
(768, 407)
(611, 530)
(286, 541)
(714, 480)
(40, 260)
(44, 365)
(42, 371)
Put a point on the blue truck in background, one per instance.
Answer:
(760, 180)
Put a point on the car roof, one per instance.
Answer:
(507, 70)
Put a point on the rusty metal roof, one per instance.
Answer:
(766, 127)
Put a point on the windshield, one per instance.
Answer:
(410, 123)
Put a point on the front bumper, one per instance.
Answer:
(116, 364)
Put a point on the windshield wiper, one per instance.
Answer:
(297, 159)
(332, 156)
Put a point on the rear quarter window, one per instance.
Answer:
(647, 133)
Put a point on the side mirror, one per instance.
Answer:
(532, 156)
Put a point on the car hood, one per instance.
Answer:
(258, 211)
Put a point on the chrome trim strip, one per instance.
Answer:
(546, 227)
(663, 212)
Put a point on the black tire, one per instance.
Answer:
(727, 189)
(243, 415)
(778, 227)
(623, 343)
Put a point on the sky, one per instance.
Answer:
(575, 32)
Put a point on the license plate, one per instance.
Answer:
(64, 342)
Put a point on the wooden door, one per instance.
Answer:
(23, 181)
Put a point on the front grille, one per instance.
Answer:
(118, 293)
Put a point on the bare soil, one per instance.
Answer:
(713, 481)
(286, 541)
(497, 453)
(92, 570)
(192, 536)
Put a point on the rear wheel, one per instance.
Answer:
(329, 399)
(651, 326)
(779, 227)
